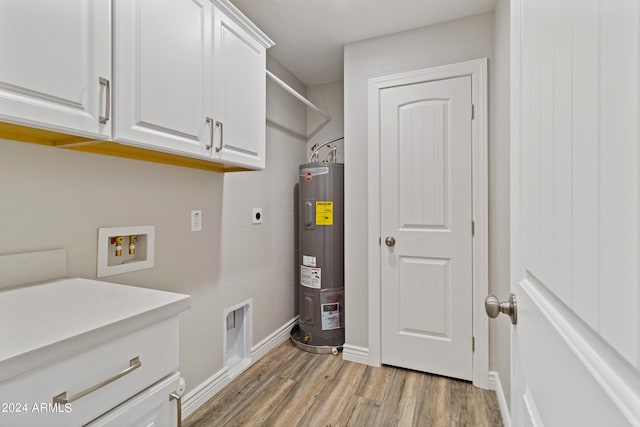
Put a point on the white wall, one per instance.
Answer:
(53, 198)
(329, 98)
(450, 42)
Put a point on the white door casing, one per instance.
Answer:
(426, 281)
(575, 216)
(477, 72)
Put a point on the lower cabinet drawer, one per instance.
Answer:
(81, 388)
(153, 407)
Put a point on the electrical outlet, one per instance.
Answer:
(196, 220)
(256, 216)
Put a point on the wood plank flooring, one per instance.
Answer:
(289, 387)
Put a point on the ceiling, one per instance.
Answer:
(310, 34)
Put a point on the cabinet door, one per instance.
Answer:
(54, 55)
(240, 98)
(152, 407)
(162, 66)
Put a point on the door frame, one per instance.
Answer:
(477, 70)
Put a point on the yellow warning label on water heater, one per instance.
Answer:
(324, 213)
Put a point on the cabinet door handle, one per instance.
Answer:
(221, 126)
(62, 398)
(210, 123)
(107, 113)
(176, 397)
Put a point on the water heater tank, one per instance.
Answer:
(321, 256)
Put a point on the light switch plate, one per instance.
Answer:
(196, 220)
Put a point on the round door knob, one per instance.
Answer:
(389, 241)
(494, 307)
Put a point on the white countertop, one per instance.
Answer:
(46, 322)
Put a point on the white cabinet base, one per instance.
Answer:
(152, 408)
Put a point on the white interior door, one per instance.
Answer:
(575, 193)
(426, 194)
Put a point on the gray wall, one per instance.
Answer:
(450, 42)
(53, 198)
(499, 199)
(329, 97)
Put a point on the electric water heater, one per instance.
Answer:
(321, 256)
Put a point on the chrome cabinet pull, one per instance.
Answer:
(134, 364)
(221, 126)
(176, 397)
(105, 82)
(210, 123)
(218, 124)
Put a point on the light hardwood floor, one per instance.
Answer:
(290, 387)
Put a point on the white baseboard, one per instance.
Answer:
(496, 384)
(272, 341)
(353, 353)
(205, 391)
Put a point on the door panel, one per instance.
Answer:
(575, 212)
(162, 75)
(423, 190)
(175, 77)
(57, 25)
(239, 76)
(53, 55)
(425, 286)
(559, 381)
(426, 189)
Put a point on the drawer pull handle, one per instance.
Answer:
(221, 126)
(134, 364)
(210, 122)
(175, 396)
(107, 109)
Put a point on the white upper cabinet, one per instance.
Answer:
(56, 65)
(239, 91)
(190, 79)
(162, 64)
